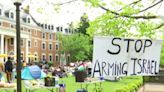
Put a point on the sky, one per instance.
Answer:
(71, 12)
(68, 12)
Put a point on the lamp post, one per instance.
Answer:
(17, 3)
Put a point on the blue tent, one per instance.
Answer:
(32, 72)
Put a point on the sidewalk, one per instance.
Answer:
(152, 87)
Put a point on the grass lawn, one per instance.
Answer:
(72, 86)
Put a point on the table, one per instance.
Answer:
(97, 85)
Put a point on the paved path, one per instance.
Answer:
(152, 87)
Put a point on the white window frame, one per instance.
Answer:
(42, 45)
(29, 31)
(10, 15)
(49, 57)
(44, 35)
(56, 55)
(28, 20)
(11, 44)
(51, 46)
(50, 36)
(43, 54)
(57, 44)
(36, 54)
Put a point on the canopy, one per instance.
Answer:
(3, 55)
(32, 72)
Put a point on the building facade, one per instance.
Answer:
(39, 42)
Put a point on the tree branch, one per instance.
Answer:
(150, 6)
(159, 26)
(65, 2)
(133, 3)
(129, 16)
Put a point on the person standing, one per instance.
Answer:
(9, 69)
(1, 70)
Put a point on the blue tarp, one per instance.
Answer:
(32, 72)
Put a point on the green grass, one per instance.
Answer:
(72, 86)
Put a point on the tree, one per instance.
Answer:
(131, 20)
(84, 24)
(77, 45)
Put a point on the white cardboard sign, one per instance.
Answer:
(125, 56)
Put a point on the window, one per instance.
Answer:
(22, 42)
(12, 26)
(43, 35)
(43, 57)
(49, 27)
(69, 30)
(66, 30)
(57, 28)
(29, 44)
(28, 20)
(50, 36)
(43, 46)
(52, 27)
(12, 41)
(45, 26)
(50, 57)
(61, 29)
(29, 30)
(57, 46)
(12, 15)
(35, 43)
(50, 46)
(0, 12)
(35, 57)
(57, 58)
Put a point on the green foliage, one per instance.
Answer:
(162, 56)
(110, 24)
(78, 45)
(131, 87)
(50, 63)
(84, 24)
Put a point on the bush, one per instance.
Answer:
(137, 82)
(50, 63)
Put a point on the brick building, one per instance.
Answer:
(38, 40)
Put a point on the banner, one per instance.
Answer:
(125, 57)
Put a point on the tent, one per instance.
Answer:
(32, 72)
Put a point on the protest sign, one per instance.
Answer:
(125, 56)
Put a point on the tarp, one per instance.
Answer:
(32, 72)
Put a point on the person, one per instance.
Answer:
(9, 69)
(24, 64)
(1, 70)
